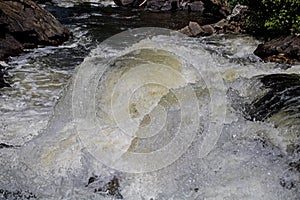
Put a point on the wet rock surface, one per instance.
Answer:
(282, 96)
(3, 145)
(110, 188)
(130, 3)
(23, 23)
(6, 194)
(3, 82)
(9, 46)
(232, 24)
(280, 50)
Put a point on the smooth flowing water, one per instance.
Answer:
(147, 114)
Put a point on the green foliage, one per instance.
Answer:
(272, 17)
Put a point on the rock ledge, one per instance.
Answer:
(25, 24)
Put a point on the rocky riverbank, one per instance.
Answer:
(25, 24)
(283, 49)
(280, 50)
(232, 24)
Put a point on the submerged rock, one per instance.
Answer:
(272, 101)
(3, 83)
(24, 23)
(280, 50)
(110, 188)
(6, 194)
(3, 145)
(283, 95)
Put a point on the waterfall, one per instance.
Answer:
(152, 114)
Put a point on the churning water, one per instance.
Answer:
(150, 114)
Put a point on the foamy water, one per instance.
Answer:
(160, 117)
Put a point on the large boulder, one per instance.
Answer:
(281, 50)
(25, 22)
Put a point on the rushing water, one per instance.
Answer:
(148, 114)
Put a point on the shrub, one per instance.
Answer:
(271, 17)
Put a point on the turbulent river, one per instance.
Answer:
(148, 114)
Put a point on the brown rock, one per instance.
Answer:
(220, 24)
(208, 29)
(9, 46)
(282, 50)
(186, 30)
(195, 28)
(27, 22)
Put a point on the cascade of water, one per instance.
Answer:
(153, 114)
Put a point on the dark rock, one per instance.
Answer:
(167, 6)
(216, 7)
(238, 13)
(3, 83)
(281, 50)
(173, 5)
(196, 6)
(130, 3)
(29, 24)
(9, 46)
(6, 194)
(110, 188)
(3, 145)
(157, 5)
(233, 22)
(123, 2)
(296, 164)
(46, 2)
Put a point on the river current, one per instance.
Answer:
(147, 114)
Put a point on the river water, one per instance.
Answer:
(147, 114)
